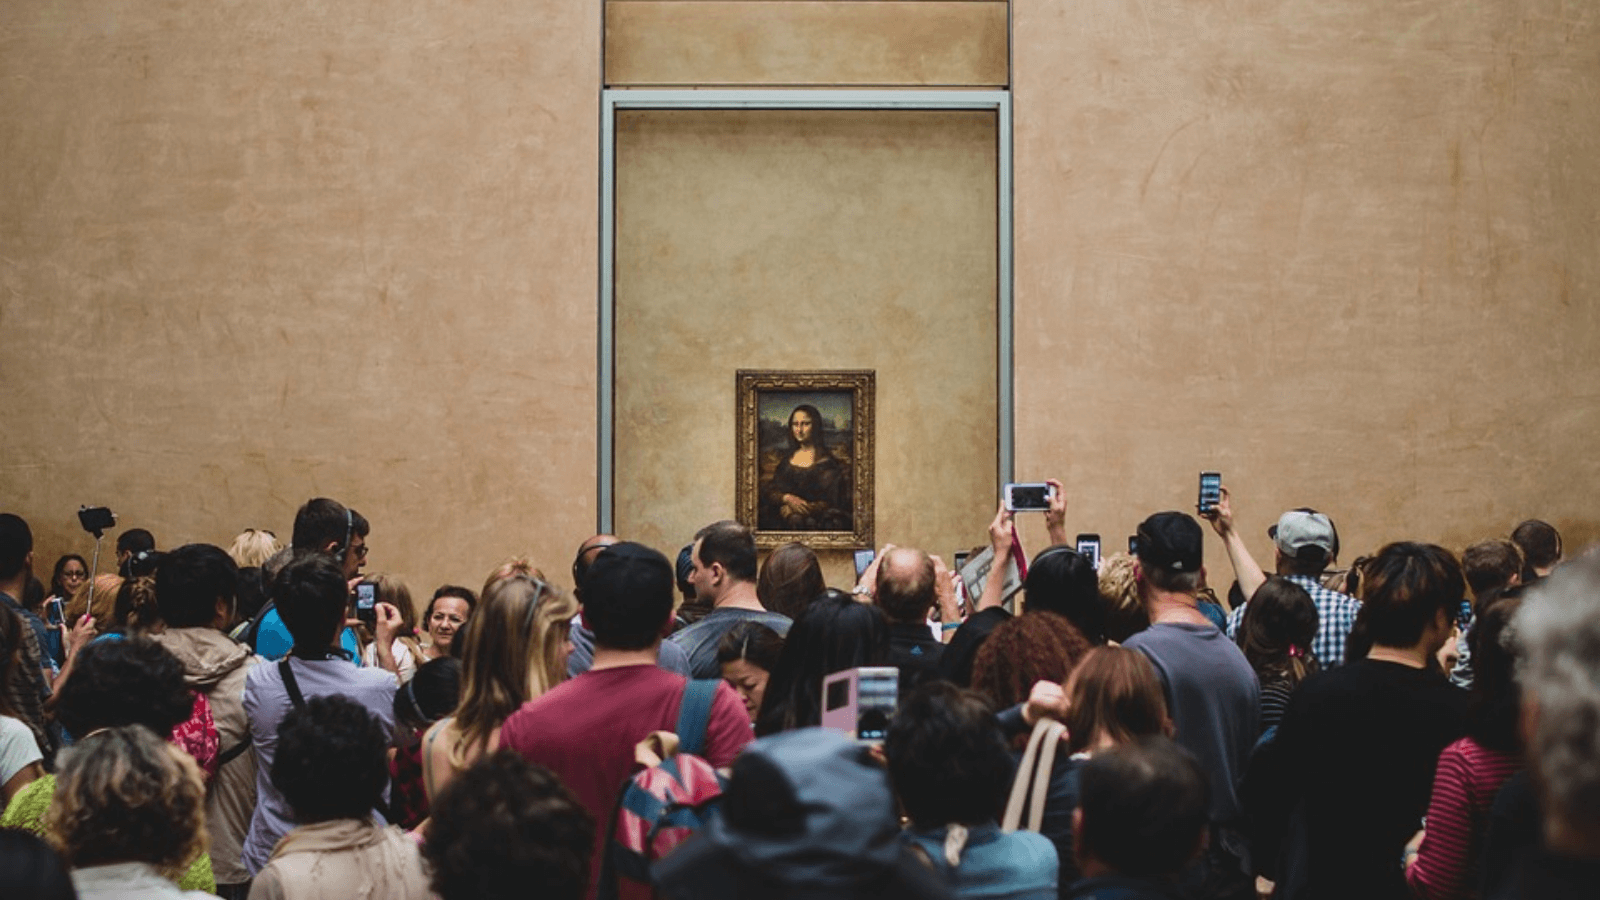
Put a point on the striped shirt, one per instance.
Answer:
(1336, 615)
(1465, 783)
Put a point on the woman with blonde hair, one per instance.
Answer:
(104, 589)
(253, 547)
(129, 813)
(514, 649)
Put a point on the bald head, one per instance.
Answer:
(587, 551)
(905, 588)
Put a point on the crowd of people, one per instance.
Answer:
(269, 721)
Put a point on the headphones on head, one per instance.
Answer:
(349, 532)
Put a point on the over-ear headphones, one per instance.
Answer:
(349, 532)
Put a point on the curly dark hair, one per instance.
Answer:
(125, 795)
(505, 824)
(1038, 646)
(948, 761)
(332, 760)
(128, 681)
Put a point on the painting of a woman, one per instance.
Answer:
(810, 488)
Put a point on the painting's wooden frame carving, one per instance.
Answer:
(756, 465)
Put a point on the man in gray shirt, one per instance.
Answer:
(1212, 693)
(724, 574)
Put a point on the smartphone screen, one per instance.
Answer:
(53, 611)
(1089, 548)
(863, 559)
(1210, 491)
(1027, 497)
(367, 602)
(1133, 545)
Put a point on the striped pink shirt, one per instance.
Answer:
(1464, 785)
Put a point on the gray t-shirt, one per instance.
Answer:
(670, 657)
(1214, 700)
(701, 638)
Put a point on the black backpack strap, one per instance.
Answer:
(289, 684)
(694, 715)
(234, 752)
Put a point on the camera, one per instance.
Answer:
(860, 702)
(1089, 548)
(96, 519)
(1210, 492)
(1030, 497)
(367, 603)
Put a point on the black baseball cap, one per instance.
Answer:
(1171, 540)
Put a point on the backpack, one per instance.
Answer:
(669, 800)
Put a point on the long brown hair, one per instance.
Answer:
(511, 655)
(1276, 632)
(1114, 691)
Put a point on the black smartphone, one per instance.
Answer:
(96, 519)
(1089, 548)
(1133, 545)
(863, 559)
(367, 603)
(54, 612)
(961, 557)
(1210, 492)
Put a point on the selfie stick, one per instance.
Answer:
(94, 571)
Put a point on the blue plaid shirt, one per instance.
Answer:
(1336, 615)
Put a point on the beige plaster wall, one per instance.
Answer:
(805, 240)
(1343, 252)
(251, 253)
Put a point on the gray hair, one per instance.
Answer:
(1558, 630)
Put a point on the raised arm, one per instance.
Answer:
(1000, 538)
(1245, 569)
(1055, 518)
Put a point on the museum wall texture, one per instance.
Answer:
(254, 253)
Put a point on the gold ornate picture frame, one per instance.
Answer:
(805, 457)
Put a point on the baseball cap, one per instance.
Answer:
(628, 570)
(1302, 529)
(1171, 540)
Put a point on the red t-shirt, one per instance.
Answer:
(584, 731)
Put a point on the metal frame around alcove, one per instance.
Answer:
(616, 99)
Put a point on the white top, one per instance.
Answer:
(402, 659)
(18, 749)
(129, 881)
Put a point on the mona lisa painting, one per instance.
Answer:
(805, 457)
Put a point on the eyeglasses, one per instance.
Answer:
(360, 550)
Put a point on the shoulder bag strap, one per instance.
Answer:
(694, 715)
(1041, 773)
(1033, 777)
(289, 684)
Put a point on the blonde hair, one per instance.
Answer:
(125, 795)
(106, 588)
(511, 653)
(1125, 613)
(253, 547)
(512, 568)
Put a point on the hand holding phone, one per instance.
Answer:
(1028, 497)
(1089, 548)
(367, 603)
